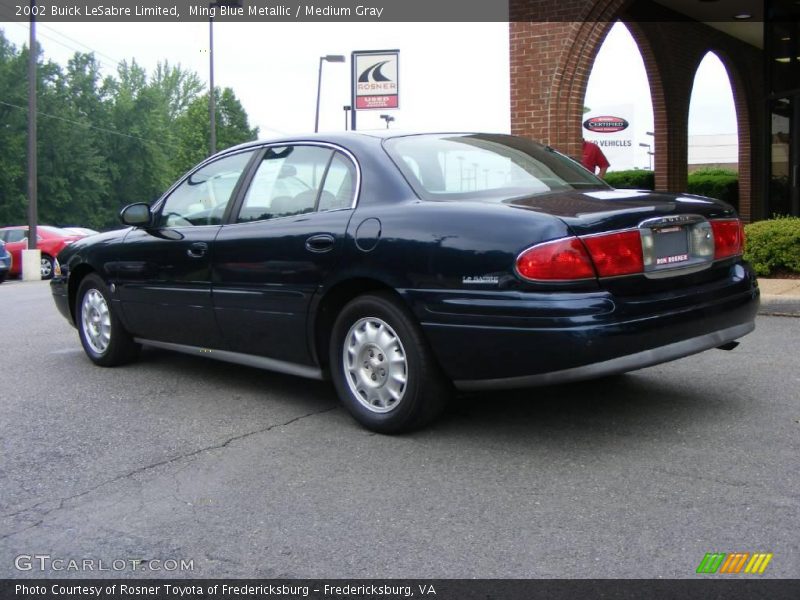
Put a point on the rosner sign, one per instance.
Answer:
(375, 79)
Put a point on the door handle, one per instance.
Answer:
(320, 243)
(197, 250)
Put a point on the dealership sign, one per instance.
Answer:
(611, 128)
(605, 124)
(375, 79)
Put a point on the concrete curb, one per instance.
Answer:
(779, 306)
(780, 297)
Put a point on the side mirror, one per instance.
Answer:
(136, 215)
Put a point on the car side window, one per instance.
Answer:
(287, 182)
(340, 184)
(202, 197)
(16, 235)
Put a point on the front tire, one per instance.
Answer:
(382, 368)
(104, 339)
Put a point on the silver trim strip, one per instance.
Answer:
(622, 364)
(666, 220)
(247, 360)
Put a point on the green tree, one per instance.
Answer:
(75, 179)
(13, 133)
(105, 143)
(193, 128)
(178, 87)
(140, 153)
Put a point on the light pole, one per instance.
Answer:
(650, 154)
(388, 119)
(32, 158)
(337, 58)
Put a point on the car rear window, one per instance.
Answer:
(485, 166)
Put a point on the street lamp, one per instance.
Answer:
(347, 108)
(337, 58)
(650, 154)
(388, 119)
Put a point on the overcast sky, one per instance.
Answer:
(453, 76)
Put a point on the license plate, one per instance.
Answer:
(670, 245)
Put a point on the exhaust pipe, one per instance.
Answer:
(728, 346)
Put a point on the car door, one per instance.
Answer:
(16, 241)
(164, 271)
(283, 242)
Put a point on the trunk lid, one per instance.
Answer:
(600, 211)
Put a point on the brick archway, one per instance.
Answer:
(664, 137)
(550, 63)
(550, 67)
(742, 101)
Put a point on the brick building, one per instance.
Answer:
(553, 46)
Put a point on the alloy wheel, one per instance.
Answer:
(96, 321)
(375, 363)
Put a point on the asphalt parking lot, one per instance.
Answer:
(252, 474)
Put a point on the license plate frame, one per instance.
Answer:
(670, 244)
(676, 245)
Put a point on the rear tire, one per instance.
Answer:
(382, 367)
(104, 339)
(48, 266)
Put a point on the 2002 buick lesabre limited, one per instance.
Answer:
(405, 265)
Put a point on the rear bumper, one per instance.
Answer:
(507, 339)
(622, 364)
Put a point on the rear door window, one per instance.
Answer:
(294, 180)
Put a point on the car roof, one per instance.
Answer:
(343, 138)
(39, 228)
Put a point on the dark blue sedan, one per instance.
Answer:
(403, 266)
(5, 261)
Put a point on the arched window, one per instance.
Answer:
(618, 87)
(713, 129)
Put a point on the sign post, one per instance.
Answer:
(32, 256)
(375, 84)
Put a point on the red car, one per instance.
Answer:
(50, 240)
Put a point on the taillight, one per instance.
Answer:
(616, 254)
(558, 260)
(728, 237)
